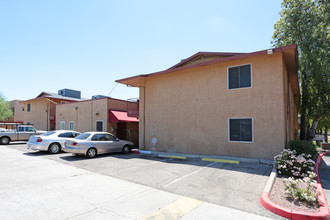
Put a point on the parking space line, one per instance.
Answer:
(175, 210)
(174, 181)
(131, 168)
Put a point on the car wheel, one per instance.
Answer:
(91, 152)
(126, 149)
(54, 148)
(5, 140)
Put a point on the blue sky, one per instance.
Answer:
(87, 45)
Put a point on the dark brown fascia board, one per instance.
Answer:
(89, 100)
(204, 53)
(221, 60)
(49, 97)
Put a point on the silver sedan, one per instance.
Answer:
(52, 141)
(93, 143)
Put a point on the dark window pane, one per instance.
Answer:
(234, 125)
(245, 76)
(246, 129)
(109, 137)
(83, 136)
(233, 77)
(98, 137)
(99, 126)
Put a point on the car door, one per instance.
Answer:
(24, 133)
(114, 144)
(30, 131)
(100, 143)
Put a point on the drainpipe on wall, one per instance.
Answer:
(144, 116)
(47, 119)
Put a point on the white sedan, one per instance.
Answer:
(52, 141)
(93, 143)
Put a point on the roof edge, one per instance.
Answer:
(236, 57)
(204, 53)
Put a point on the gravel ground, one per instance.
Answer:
(278, 196)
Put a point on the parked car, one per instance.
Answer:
(52, 141)
(92, 143)
(19, 133)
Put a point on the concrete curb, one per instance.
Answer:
(323, 212)
(223, 159)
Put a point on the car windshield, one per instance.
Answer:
(83, 136)
(48, 133)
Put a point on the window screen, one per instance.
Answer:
(240, 130)
(239, 77)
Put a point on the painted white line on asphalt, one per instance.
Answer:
(174, 181)
(131, 168)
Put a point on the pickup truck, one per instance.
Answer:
(19, 133)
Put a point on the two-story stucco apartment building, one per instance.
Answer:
(41, 110)
(231, 104)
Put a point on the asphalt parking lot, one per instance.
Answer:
(237, 186)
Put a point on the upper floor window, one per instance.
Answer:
(28, 107)
(239, 76)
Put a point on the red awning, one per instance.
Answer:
(120, 116)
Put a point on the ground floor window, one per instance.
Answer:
(99, 126)
(71, 125)
(241, 129)
(62, 125)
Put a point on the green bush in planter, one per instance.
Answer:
(303, 147)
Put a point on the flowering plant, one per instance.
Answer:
(289, 164)
(302, 189)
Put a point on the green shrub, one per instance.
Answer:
(303, 147)
(295, 190)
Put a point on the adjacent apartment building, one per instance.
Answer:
(41, 111)
(99, 114)
(231, 104)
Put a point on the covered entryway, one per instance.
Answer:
(124, 127)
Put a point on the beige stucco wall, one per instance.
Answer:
(39, 114)
(18, 108)
(83, 114)
(188, 111)
(88, 113)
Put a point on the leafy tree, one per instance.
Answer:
(307, 24)
(5, 111)
(324, 125)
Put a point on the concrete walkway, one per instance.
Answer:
(39, 188)
(324, 172)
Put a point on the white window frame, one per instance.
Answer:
(62, 125)
(102, 125)
(252, 124)
(238, 66)
(71, 125)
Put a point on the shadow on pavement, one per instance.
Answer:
(324, 172)
(40, 153)
(251, 168)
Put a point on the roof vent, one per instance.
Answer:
(98, 96)
(270, 51)
(70, 93)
